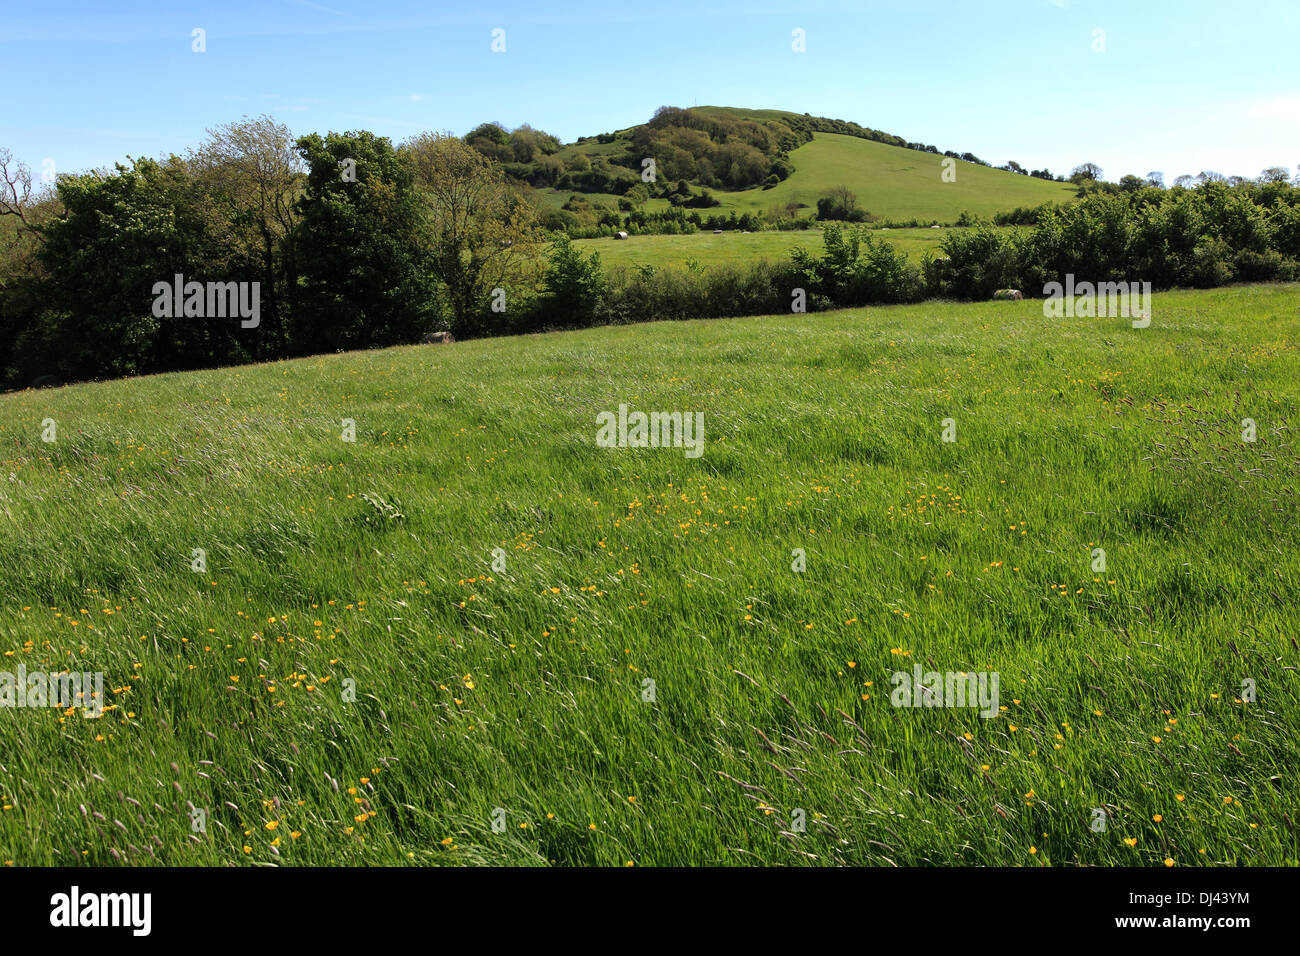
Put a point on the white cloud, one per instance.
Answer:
(1283, 108)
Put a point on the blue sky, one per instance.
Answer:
(1179, 86)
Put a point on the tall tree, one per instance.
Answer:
(121, 233)
(1085, 171)
(357, 245)
(248, 175)
(23, 212)
(478, 233)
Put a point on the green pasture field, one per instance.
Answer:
(709, 249)
(472, 635)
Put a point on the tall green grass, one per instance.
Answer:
(365, 568)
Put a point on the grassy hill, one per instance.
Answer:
(643, 677)
(897, 183)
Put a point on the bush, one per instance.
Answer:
(1020, 216)
(1268, 266)
(1211, 264)
(648, 295)
(980, 261)
(572, 285)
(840, 204)
(855, 268)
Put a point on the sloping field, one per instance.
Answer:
(473, 635)
(896, 183)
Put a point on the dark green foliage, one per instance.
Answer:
(362, 281)
(840, 204)
(1200, 237)
(122, 233)
(573, 284)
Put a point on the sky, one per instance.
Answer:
(1132, 86)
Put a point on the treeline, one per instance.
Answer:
(347, 241)
(1207, 236)
(580, 219)
(1211, 235)
(340, 241)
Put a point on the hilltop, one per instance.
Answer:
(768, 162)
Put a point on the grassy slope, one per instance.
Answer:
(897, 183)
(522, 689)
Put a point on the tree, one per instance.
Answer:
(357, 242)
(1184, 181)
(248, 174)
(121, 233)
(1131, 183)
(492, 140)
(530, 144)
(1156, 178)
(840, 203)
(573, 283)
(31, 209)
(1275, 174)
(476, 232)
(15, 187)
(1085, 171)
(21, 296)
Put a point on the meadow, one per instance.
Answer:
(472, 636)
(709, 249)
